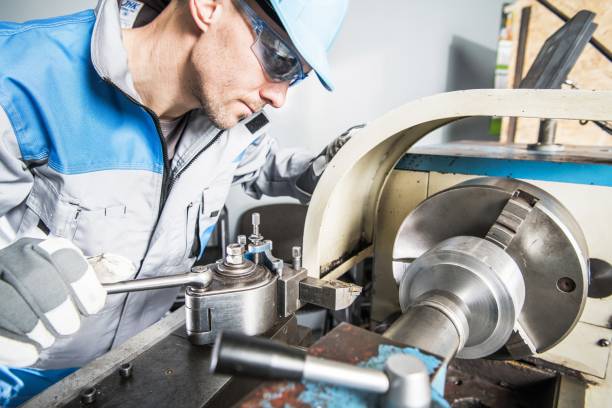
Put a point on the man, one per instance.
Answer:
(120, 145)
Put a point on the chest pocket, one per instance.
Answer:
(104, 229)
(202, 215)
(48, 212)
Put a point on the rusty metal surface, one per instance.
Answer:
(345, 343)
(469, 383)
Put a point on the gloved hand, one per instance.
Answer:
(45, 287)
(308, 180)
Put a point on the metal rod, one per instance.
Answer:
(547, 130)
(428, 329)
(238, 354)
(200, 279)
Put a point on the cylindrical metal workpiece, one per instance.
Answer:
(428, 329)
(345, 375)
(475, 284)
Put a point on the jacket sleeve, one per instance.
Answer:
(15, 177)
(266, 169)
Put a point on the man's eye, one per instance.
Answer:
(279, 62)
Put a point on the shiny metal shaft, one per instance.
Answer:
(198, 279)
(547, 132)
(427, 329)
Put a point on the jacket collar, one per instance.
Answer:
(108, 54)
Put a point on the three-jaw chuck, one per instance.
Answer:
(490, 266)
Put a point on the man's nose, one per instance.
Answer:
(274, 93)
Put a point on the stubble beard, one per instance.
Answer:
(212, 106)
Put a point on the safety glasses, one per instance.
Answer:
(279, 60)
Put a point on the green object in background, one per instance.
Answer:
(495, 126)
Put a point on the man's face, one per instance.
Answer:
(224, 74)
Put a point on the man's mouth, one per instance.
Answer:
(253, 108)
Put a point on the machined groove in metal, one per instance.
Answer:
(475, 284)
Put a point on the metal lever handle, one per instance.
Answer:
(404, 384)
(199, 277)
(237, 354)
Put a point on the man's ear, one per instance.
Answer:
(205, 12)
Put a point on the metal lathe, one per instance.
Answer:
(492, 259)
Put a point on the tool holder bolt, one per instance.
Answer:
(296, 253)
(256, 236)
(255, 221)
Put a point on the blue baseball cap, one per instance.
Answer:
(312, 26)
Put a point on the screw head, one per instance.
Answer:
(603, 343)
(199, 268)
(296, 251)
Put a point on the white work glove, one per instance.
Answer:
(308, 180)
(45, 288)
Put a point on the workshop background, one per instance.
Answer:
(396, 51)
(382, 58)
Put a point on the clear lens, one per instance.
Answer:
(278, 60)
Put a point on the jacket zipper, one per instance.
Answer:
(163, 194)
(190, 162)
(166, 171)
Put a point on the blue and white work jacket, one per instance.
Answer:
(81, 158)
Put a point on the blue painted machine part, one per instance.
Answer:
(564, 172)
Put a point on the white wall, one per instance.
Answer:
(388, 53)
